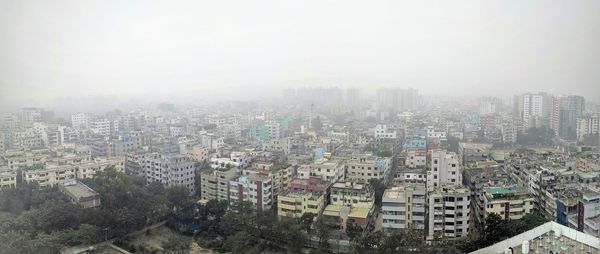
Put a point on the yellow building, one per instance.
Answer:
(509, 203)
(294, 204)
(340, 215)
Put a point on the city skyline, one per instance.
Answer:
(167, 51)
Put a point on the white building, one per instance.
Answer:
(415, 159)
(382, 132)
(444, 169)
(100, 126)
(216, 163)
(327, 170)
(448, 212)
(404, 206)
(588, 126)
(170, 170)
(79, 121)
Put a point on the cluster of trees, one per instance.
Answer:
(397, 241)
(244, 229)
(36, 219)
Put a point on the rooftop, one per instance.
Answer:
(78, 189)
(549, 237)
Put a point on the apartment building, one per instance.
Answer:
(364, 167)
(473, 152)
(170, 170)
(294, 204)
(49, 174)
(256, 189)
(588, 126)
(198, 153)
(100, 126)
(281, 176)
(214, 184)
(403, 206)
(79, 121)
(8, 178)
(444, 169)
(381, 131)
(328, 170)
(448, 211)
(509, 203)
(88, 168)
(415, 158)
(351, 194)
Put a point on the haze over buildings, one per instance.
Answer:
(222, 50)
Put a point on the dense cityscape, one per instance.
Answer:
(318, 170)
(299, 127)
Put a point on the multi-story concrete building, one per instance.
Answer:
(382, 132)
(329, 170)
(490, 105)
(448, 212)
(215, 184)
(404, 206)
(588, 126)
(88, 168)
(49, 174)
(79, 121)
(170, 170)
(362, 167)
(571, 109)
(351, 194)
(534, 109)
(444, 169)
(100, 126)
(397, 99)
(415, 158)
(473, 152)
(8, 178)
(197, 153)
(294, 204)
(256, 189)
(509, 203)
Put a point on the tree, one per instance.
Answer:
(177, 195)
(368, 243)
(353, 230)
(323, 230)
(176, 244)
(378, 189)
(239, 242)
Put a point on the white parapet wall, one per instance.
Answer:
(517, 240)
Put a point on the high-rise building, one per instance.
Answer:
(404, 206)
(571, 109)
(445, 169)
(534, 109)
(587, 126)
(397, 99)
(490, 105)
(448, 212)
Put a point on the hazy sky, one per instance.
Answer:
(57, 49)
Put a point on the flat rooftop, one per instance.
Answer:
(546, 238)
(79, 190)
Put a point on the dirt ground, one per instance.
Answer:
(158, 235)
